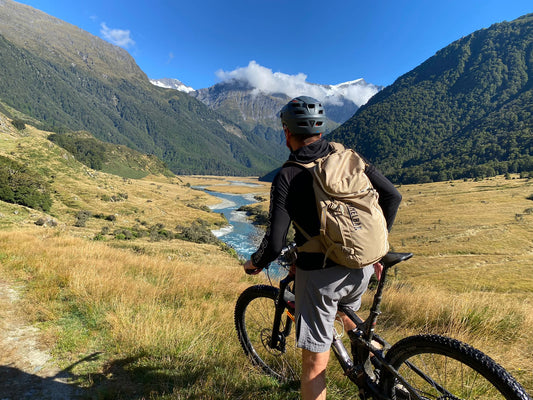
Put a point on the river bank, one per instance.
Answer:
(232, 197)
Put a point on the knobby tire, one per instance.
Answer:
(447, 369)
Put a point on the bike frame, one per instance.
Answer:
(359, 372)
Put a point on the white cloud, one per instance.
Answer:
(170, 57)
(119, 37)
(266, 81)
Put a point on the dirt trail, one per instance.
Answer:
(26, 368)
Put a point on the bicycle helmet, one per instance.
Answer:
(304, 115)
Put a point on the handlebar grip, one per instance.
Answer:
(252, 271)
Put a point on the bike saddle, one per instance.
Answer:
(391, 258)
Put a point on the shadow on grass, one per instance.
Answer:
(18, 385)
(137, 378)
(148, 377)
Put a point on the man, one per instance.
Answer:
(318, 289)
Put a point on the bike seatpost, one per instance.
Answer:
(388, 261)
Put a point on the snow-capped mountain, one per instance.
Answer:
(245, 100)
(251, 98)
(169, 83)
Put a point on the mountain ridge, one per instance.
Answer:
(69, 80)
(29, 28)
(465, 112)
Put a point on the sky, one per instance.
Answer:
(204, 42)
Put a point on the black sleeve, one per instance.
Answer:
(279, 221)
(389, 197)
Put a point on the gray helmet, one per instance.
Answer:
(304, 116)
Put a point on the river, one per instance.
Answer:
(241, 234)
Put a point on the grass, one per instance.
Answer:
(158, 313)
(161, 320)
(142, 319)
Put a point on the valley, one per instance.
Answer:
(147, 313)
(113, 284)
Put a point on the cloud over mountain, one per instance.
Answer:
(262, 79)
(119, 37)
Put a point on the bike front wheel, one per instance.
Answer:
(437, 367)
(254, 319)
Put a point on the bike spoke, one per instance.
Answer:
(283, 361)
(435, 376)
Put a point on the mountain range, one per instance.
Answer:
(465, 112)
(64, 79)
(256, 110)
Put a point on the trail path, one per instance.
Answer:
(26, 367)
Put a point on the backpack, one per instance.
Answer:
(353, 230)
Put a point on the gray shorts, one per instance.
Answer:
(317, 294)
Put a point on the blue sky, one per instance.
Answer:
(328, 42)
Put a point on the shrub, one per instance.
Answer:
(123, 234)
(198, 232)
(40, 222)
(158, 232)
(46, 222)
(114, 198)
(201, 207)
(21, 186)
(18, 124)
(82, 217)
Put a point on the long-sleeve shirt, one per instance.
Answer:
(292, 199)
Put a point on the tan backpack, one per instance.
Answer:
(353, 230)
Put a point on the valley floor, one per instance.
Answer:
(133, 319)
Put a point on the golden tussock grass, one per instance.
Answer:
(499, 325)
(149, 304)
(168, 305)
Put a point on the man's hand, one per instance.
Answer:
(250, 268)
(378, 269)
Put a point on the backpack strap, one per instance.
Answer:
(337, 146)
(302, 231)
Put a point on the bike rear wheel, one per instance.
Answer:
(438, 367)
(254, 319)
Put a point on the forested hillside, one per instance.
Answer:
(69, 80)
(465, 112)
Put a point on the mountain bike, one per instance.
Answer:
(419, 367)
